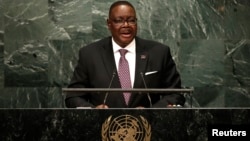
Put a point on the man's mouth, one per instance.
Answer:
(126, 34)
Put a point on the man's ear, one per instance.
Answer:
(108, 23)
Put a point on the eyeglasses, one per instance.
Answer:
(120, 22)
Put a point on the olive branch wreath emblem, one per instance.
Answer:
(106, 125)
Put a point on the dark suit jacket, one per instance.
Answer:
(96, 65)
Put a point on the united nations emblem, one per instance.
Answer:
(126, 128)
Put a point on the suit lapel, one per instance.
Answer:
(109, 62)
(141, 64)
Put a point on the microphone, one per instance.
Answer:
(145, 85)
(110, 83)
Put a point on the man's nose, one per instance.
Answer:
(125, 23)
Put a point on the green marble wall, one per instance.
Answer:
(39, 43)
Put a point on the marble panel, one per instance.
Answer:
(237, 63)
(210, 96)
(26, 27)
(27, 65)
(158, 20)
(237, 97)
(1, 67)
(1, 46)
(72, 19)
(202, 62)
(63, 56)
(100, 10)
(201, 19)
(237, 13)
(31, 97)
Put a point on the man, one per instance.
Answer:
(150, 66)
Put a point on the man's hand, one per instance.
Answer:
(140, 107)
(173, 106)
(102, 106)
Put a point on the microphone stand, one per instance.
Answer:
(145, 85)
(107, 93)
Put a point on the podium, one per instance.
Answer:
(184, 91)
(189, 124)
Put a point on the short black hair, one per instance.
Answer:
(117, 3)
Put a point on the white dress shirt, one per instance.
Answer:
(130, 56)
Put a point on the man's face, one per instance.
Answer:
(122, 24)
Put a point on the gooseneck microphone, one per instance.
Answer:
(145, 85)
(110, 83)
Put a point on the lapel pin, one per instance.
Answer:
(143, 56)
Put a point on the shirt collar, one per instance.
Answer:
(130, 47)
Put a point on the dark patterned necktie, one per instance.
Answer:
(124, 75)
